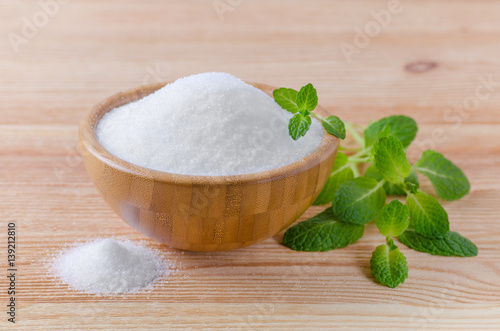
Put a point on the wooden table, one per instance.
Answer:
(429, 60)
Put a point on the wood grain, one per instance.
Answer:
(93, 49)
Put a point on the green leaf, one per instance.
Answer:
(322, 233)
(401, 127)
(390, 188)
(390, 160)
(359, 200)
(340, 174)
(286, 98)
(298, 126)
(427, 216)
(389, 265)
(305, 112)
(448, 180)
(393, 219)
(334, 125)
(411, 187)
(307, 98)
(452, 244)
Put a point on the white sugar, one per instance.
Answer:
(109, 266)
(205, 124)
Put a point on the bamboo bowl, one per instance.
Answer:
(203, 213)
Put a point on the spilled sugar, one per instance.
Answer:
(109, 266)
(205, 124)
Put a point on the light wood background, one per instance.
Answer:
(430, 58)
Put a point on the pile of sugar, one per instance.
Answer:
(109, 266)
(205, 124)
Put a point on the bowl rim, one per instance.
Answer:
(90, 144)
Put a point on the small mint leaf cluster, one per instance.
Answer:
(388, 264)
(302, 103)
(421, 224)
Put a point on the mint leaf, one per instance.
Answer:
(448, 180)
(305, 112)
(322, 232)
(393, 219)
(391, 188)
(427, 216)
(299, 125)
(334, 125)
(286, 98)
(452, 244)
(411, 187)
(390, 160)
(359, 200)
(373, 172)
(389, 265)
(340, 174)
(401, 127)
(307, 98)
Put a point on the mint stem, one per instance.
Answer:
(355, 169)
(359, 159)
(360, 127)
(351, 130)
(349, 149)
(317, 116)
(362, 152)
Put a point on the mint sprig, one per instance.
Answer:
(389, 265)
(427, 215)
(322, 232)
(299, 125)
(307, 98)
(401, 127)
(452, 244)
(334, 126)
(393, 219)
(390, 160)
(358, 198)
(391, 188)
(286, 98)
(448, 180)
(303, 103)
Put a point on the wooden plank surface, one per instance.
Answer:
(427, 63)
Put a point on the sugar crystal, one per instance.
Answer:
(109, 266)
(205, 124)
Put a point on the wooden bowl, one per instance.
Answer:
(203, 213)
